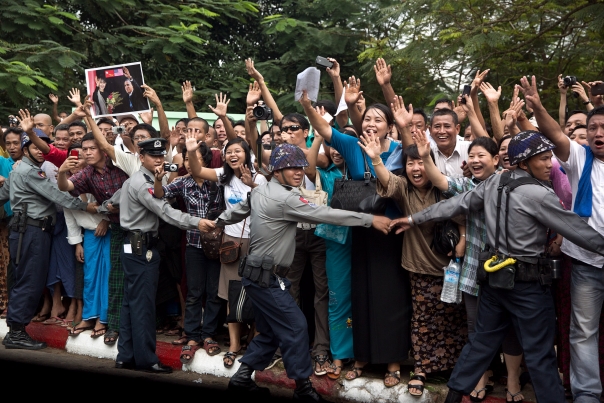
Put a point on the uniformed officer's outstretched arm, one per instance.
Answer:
(4, 190)
(550, 213)
(163, 209)
(45, 188)
(240, 212)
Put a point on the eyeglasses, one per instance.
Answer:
(293, 128)
(140, 138)
(41, 125)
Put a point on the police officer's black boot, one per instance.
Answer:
(17, 337)
(306, 393)
(242, 382)
(454, 396)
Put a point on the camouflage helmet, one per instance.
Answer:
(527, 144)
(25, 140)
(287, 156)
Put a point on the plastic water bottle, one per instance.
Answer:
(450, 293)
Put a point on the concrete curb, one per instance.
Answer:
(363, 389)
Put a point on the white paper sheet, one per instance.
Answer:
(308, 80)
(342, 105)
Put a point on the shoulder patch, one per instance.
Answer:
(150, 190)
(42, 174)
(303, 200)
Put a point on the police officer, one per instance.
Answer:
(32, 196)
(519, 208)
(276, 208)
(139, 215)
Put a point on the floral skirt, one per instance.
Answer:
(4, 262)
(438, 330)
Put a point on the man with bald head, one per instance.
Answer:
(43, 122)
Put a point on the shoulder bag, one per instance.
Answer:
(317, 196)
(446, 234)
(230, 250)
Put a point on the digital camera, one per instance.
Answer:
(170, 167)
(118, 130)
(569, 81)
(263, 112)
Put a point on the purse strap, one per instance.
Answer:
(367, 174)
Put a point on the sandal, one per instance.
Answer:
(110, 337)
(355, 371)
(181, 341)
(177, 331)
(487, 389)
(55, 320)
(419, 388)
(187, 353)
(507, 392)
(321, 359)
(41, 318)
(396, 375)
(98, 332)
(230, 357)
(211, 347)
(77, 330)
(337, 372)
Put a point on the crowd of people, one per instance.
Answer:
(111, 224)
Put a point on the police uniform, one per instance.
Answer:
(529, 305)
(32, 196)
(273, 216)
(139, 215)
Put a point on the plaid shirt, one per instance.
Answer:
(196, 198)
(476, 235)
(102, 185)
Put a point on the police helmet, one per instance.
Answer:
(25, 140)
(287, 156)
(527, 144)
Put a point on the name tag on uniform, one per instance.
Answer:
(127, 248)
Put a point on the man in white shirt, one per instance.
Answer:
(587, 281)
(450, 151)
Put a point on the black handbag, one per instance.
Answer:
(358, 195)
(240, 305)
(446, 235)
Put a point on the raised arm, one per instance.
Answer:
(478, 129)
(220, 110)
(372, 147)
(316, 121)
(311, 157)
(266, 94)
(383, 75)
(434, 175)
(254, 95)
(562, 109)
(63, 183)
(198, 171)
(582, 95)
(27, 124)
(478, 79)
(492, 97)
(101, 141)
(353, 93)
(55, 107)
(151, 95)
(338, 88)
(402, 118)
(187, 97)
(547, 125)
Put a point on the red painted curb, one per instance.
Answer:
(323, 384)
(487, 400)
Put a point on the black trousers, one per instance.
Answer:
(30, 274)
(529, 307)
(137, 340)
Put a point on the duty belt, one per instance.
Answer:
(306, 226)
(149, 239)
(532, 272)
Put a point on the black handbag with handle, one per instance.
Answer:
(446, 234)
(358, 195)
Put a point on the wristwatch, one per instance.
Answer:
(587, 102)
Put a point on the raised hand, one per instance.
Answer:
(127, 73)
(361, 104)
(383, 71)
(249, 113)
(382, 224)
(580, 91)
(479, 78)
(459, 110)
(531, 95)
(251, 70)
(26, 122)
(150, 94)
(246, 176)
(175, 136)
(221, 105)
(353, 90)
(491, 94)
(254, 94)
(159, 173)
(370, 143)
(70, 163)
(187, 92)
(191, 141)
(53, 98)
(468, 106)
(333, 71)
(402, 115)
(561, 87)
(74, 97)
(147, 117)
(420, 138)
(305, 101)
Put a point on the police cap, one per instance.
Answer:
(155, 146)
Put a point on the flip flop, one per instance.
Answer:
(79, 330)
(41, 318)
(98, 332)
(55, 320)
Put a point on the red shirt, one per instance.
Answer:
(56, 155)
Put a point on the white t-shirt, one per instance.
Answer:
(125, 160)
(574, 168)
(451, 166)
(235, 192)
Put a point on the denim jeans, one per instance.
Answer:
(202, 281)
(587, 295)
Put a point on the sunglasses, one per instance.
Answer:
(293, 128)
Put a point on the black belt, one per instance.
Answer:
(35, 223)
(530, 271)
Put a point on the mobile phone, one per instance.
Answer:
(466, 91)
(322, 61)
(597, 89)
(75, 153)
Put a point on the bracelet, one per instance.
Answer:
(410, 219)
(586, 102)
(374, 164)
(463, 235)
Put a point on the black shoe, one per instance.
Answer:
(306, 393)
(124, 365)
(242, 383)
(158, 368)
(18, 338)
(454, 396)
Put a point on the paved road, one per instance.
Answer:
(56, 374)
